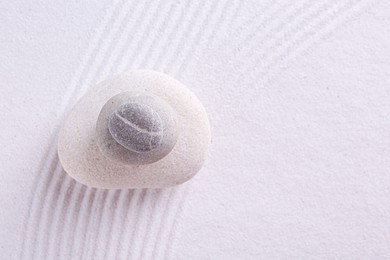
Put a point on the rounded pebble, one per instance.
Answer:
(136, 128)
(139, 129)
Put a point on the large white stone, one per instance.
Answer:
(168, 162)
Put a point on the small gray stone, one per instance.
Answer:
(136, 128)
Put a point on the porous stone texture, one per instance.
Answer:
(136, 128)
(80, 147)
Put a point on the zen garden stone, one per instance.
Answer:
(140, 129)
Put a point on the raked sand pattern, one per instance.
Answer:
(66, 220)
